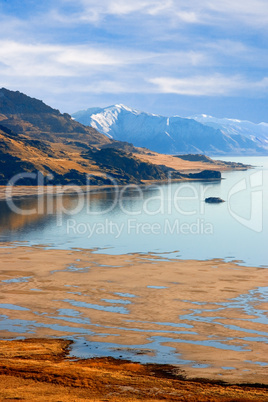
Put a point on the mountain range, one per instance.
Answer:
(176, 135)
(256, 132)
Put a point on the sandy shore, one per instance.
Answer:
(206, 317)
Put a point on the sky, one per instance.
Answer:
(168, 57)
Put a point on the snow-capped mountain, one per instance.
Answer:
(256, 132)
(171, 135)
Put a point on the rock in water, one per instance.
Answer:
(214, 200)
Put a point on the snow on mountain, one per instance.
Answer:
(256, 132)
(173, 135)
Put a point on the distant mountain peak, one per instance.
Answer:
(256, 132)
(207, 118)
(124, 107)
(200, 133)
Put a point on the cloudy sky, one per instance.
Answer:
(161, 56)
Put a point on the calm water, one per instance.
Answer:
(171, 218)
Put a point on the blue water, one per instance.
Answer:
(169, 218)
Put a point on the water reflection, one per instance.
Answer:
(148, 219)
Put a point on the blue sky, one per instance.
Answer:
(162, 56)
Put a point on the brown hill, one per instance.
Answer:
(35, 137)
(68, 163)
(34, 119)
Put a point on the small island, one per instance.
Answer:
(214, 200)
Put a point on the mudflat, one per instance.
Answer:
(206, 317)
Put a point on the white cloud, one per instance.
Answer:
(84, 56)
(20, 59)
(30, 60)
(210, 85)
(262, 84)
(122, 70)
(188, 16)
(251, 12)
(236, 54)
(122, 7)
(137, 47)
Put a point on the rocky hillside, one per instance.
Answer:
(36, 138)
(34, 119)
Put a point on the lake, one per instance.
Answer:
(170, 218)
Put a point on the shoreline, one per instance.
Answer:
(185, 167)
(41, 370)
(20, 192)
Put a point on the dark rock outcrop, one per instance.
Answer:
(206, 175)
(214, 200)
(203, 175)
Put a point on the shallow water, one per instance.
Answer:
(171, 219)
(91, 308)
